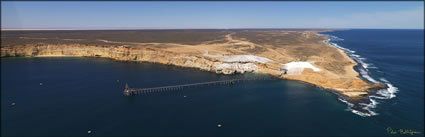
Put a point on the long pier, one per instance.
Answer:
(134, 91)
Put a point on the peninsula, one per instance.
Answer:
(302, 55)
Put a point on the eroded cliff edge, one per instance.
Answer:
(125, 53)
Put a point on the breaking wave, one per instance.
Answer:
(363, 68)
(387, 93)
(365, 107)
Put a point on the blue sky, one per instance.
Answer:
(171, 15)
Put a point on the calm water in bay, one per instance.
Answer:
(80, 94)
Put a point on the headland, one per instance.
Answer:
(302, 55)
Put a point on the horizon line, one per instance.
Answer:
(113, 28)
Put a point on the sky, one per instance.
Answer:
(222, 15)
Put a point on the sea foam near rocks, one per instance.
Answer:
(387, 93)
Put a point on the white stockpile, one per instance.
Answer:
(239, 58)
(296, 68)
(246, 63)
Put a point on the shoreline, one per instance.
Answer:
(347, 83)
(368, 102)
(354, 105)
(346, 99)
(336, 92)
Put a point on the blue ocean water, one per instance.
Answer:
(80, 94)
(395, 58)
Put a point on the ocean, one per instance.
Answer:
(79, 94)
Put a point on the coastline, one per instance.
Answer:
(355, 92)
(385, 91)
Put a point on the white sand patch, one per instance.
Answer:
(296, 68)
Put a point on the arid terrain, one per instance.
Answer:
(301, 55)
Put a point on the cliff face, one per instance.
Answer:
(126, 53)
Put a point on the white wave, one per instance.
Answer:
(364, 114)
(377, 97)
(337, 46)
(365, 65)
(354, 55)
(361, 62)
(346, 102)
(372, 104)
(335, 38)
(387, 93)
(367, 107)
(384, 80)
(365, 75)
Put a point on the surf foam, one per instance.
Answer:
(387, 93)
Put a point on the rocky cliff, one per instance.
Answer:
(126, 53)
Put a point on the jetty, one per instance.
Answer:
(134, 91)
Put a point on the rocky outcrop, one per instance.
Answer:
(230, 68)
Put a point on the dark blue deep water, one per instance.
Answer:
(80, 94)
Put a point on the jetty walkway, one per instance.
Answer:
(134, 91)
